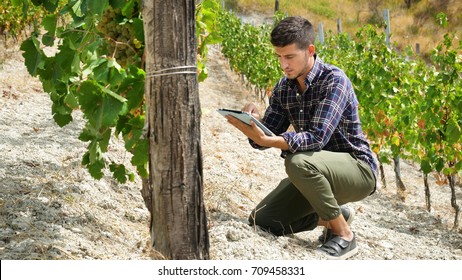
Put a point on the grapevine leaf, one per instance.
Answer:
(37, 2)
(76, 8)
(128, 8)
(117, 3)
(94, 152)
(132, 129)
(73, 40)
(97, 7)
(141, 153)
(108, 72)
(49, 24)
(62, 119)
(33, 55)
(50, 5)
(134, 91)
(139, 29)
(104, 142)
(115, 95)
(94, 166)
(425, 166)
(100, 108)
(121, 173)
(89, 133)
(439, 165)
(71, 101)
(141, 157)
(67, 64)
(453, 132)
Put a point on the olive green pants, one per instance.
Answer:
(317, 184)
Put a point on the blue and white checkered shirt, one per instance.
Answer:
(324, 117)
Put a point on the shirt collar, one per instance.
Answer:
(314, 72)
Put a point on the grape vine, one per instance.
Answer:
(98, 69)
(409, 108)
(18, 15)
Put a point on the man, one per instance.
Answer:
(327, 157)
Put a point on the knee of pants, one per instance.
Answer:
(266, 224)
(299, 165)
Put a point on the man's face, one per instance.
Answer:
(294, 62)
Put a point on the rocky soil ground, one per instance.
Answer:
(51, 208)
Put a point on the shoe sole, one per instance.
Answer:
(345, 256)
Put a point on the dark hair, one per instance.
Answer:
(291, 30)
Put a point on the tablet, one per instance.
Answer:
(246, 118)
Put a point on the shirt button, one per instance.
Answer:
(301, 110)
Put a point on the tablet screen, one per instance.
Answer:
(246, 118)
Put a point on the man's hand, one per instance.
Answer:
(252, 109)
(253, 132)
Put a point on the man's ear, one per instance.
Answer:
(311, 49)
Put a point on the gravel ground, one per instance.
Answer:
(51, 208)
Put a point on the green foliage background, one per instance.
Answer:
(98, 69)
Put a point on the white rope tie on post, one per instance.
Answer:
(166, 71)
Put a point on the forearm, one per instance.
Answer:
(273, 142)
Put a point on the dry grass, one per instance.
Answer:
(408, 26)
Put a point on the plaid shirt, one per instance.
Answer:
(325, 117)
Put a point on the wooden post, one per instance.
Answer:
(276, 6)
(178, 220)
(321, 33)
(339, 26)
(386, 16)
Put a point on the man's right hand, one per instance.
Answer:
(252, 109)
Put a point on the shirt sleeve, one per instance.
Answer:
(326, 117)
(275, 118)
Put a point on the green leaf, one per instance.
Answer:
(95, 167)
(97, 7)
(121, 173)
(62, 119)
(141, 153)
(138, 27)
(104, 142)
(117, 3)
(16, 3)
(76, 8)
(89, 133)
(425, 166)
(49, 24)
(128, 8)
(67, 64)
(99, 108)
(33, 55)
(134, 91)
(50, 5)
(439, 164)
(453, 131)
(71, 101)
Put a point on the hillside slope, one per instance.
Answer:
(50, 208)
(409, 26)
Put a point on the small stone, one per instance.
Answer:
(76, 230)
(388, 256)
(233, 235)
(386, 244)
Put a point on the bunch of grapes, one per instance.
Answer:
(121, 42)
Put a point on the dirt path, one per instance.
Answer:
(50, 207)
